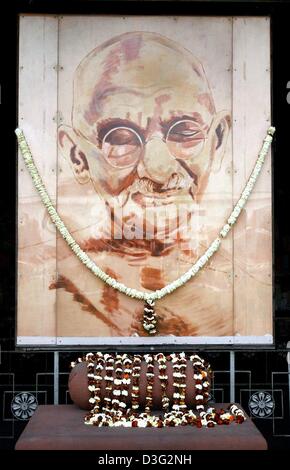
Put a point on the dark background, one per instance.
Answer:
(262, 370)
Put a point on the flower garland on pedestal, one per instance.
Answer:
(149, 299)
(163, 377)
(135, 382)
(201, 373)
(175, 416)
(117, 403)
(127, 362)
(105, 418)
(95, 379)
(118, 372)
(150, 379)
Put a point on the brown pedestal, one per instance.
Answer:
(61, 427)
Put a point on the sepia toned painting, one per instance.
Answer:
(145, 131)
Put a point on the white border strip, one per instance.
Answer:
(140, 340)
(37, 340)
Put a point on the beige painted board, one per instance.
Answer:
(253, 232)
(84, 306)
(36, 234)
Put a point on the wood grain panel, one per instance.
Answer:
(38, 37)
(253, 233)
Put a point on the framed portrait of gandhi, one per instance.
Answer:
(145, 130)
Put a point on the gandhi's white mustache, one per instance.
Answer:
(176, 183)
(145, 185)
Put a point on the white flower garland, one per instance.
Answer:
(84, 258)
(119, 368)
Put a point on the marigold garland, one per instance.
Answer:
(149, 315)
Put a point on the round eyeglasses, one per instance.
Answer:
(123, 147)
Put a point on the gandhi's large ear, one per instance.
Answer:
(68, 142)
(220, 133)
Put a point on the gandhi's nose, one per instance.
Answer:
(158, 162)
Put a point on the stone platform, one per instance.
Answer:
(61, 427)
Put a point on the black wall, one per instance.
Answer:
(33, 370)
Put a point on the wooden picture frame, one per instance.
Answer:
(55, 310)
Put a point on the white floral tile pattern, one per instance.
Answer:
(261, 404)
(23, 405)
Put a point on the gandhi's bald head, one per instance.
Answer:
(144, 124)
(123, 71)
